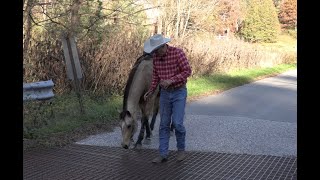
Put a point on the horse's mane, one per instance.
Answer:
(130, 78)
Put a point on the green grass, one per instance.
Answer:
(220, 82)
(64, 116)
(286, 42)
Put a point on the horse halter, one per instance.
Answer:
(132, 127)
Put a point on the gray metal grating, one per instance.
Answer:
(93, 162)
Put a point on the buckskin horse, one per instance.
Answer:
(134, 106)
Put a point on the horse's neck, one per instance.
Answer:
(133, 106)
(134, 97)
(140, 85)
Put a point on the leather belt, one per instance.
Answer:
(171, 88)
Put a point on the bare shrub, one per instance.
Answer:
(289, 58)
(209, 55)
(105, 61)
(106, 70)
(44, 61)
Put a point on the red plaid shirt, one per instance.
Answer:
(173, 65)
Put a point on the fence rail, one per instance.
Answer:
(41, 90)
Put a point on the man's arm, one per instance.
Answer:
(184, 66)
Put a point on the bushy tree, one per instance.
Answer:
(229, 14)
(288, 14)
(261, 22)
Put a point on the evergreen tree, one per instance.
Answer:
(261, 22)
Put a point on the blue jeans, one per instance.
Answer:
(172, 105)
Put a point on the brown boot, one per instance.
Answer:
(159, 159)
(181, 155)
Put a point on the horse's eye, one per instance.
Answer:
(129, 126)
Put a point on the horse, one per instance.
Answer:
(137, 85)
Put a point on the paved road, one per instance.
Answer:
(258, 119)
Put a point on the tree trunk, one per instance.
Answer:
(181, 24)
(75, 18)
(187, 19)
(27, 37)
(28, 4)
(178, 19)
(44, 16)
(159, 18)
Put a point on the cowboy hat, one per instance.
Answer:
(154, 42)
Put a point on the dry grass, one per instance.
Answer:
(105, 63)
(209, 55)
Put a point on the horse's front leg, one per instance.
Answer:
(171, 129)
(154, 117)
(141, 134)
(148, 131)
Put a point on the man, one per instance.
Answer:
(170, 70)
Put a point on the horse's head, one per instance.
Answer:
(128, 128)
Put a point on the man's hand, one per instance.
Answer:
(146, 96)
(166, 83)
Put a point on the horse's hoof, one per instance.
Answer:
(147, 141)
(138, 146)
(132, 146)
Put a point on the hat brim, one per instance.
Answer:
(148, 48)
